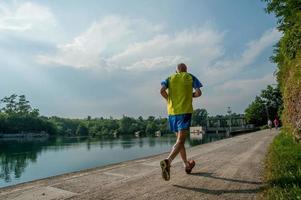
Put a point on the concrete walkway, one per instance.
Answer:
(226, 169)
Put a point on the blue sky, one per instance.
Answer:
(107, 58)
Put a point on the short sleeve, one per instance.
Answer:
(165, 83)
(196, 83)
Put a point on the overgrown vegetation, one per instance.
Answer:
(284, 158)
(287, 56)
(284, 168)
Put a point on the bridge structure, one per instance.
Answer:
(223, 125)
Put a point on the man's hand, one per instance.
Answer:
(197, 93)
(164, 93)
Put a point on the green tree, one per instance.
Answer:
(273, 100)
(199, 117)
(19, 107)
(265, 106)
(151, 118)
(163, 125)
(3, 123)
(23, 107)
(255, 113)
(151, 128)
(18, 116)
(82, 130)
(10, 104)
(127, 125)
(288, 13)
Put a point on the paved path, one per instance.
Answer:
(226, 169)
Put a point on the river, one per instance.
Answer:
(26, 160)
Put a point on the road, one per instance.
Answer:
(225, 169)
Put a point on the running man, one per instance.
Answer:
(178, 92)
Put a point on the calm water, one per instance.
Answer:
(24, 160)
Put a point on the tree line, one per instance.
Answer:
(17, 115)
(109, 126)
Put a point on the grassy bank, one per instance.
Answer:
(283, 168)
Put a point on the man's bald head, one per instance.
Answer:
(181, 67)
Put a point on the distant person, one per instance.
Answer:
(276, 123)
(178, 92)
(270, 124)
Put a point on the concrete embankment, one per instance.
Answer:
(226, 169)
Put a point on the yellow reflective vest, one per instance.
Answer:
(180, 90)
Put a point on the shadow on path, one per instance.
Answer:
(210, 175)
(258, 188)
(219, 192)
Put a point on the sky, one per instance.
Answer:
(75, 58)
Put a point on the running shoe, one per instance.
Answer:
(165, 166)
(190, 166)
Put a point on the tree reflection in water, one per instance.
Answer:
(16, 155)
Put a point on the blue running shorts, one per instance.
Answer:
(179, 122)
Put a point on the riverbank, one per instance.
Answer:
(23, 135)
(226, 169)
(283, 168)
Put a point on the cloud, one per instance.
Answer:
(125, 45)
(155, 63)
(226, 68)
(202, 44)
(245, 86)
(22, 17)
(92, 48)
(236, 93)
(117, 42)
(122, 43)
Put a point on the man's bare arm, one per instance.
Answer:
(197, 93)
(164, 93)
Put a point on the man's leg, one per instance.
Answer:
(184, 156)
(182, 122)
(179, 147)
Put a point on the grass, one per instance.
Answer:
(283, 168)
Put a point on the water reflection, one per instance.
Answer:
(14, 160)
(24, 156)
